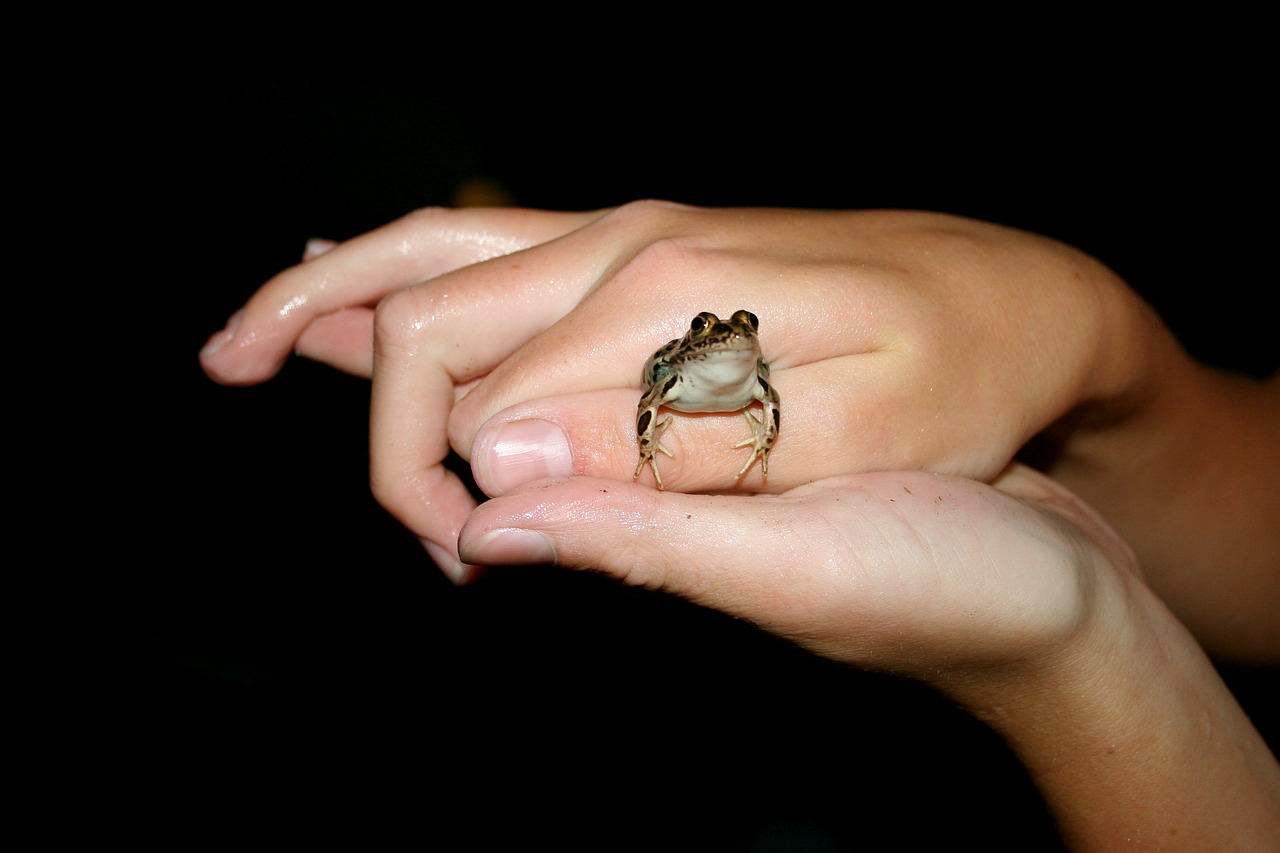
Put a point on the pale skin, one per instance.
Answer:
(515, 339)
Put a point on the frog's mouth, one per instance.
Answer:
(728, 338)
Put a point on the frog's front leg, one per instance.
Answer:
(764, 431)
(649, 433)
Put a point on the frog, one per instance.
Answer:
(717, 366)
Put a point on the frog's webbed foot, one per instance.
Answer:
(760, 441)
(647, 448)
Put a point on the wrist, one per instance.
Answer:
(1135, 361)
(1130, 734)
(1124, 361)
(1106, 639)
(1180, 463)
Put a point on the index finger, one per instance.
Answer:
(445, 335)
(363, 270)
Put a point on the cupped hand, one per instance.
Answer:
(923, 574)
(516, 338)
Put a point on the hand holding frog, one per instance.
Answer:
(1016, 600)
(898, 340)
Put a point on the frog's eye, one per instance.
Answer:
(744, 316)
(701, 322)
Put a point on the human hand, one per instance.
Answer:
(897, 341)
(922, 574)
(1014, 599)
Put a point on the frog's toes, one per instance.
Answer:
(759, 443)
(649, 447)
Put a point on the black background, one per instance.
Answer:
(297, 669)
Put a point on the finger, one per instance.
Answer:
(658, 279)
(436, 338)
(361, 271)
(343, 340)
(657, 540)
(317, 246)
(860, 397)
(839, 415)
(777, 561)
(594, 434)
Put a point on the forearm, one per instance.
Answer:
(1135, 743)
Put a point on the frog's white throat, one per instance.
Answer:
(722, 382)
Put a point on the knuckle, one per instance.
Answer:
(394, 314)
(664, 262)
(644, 212)
(428, 215)
(402, 317)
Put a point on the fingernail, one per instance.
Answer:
(448, 563)
(511, 546)
(521, 452)
(220, 339)
(316, 247)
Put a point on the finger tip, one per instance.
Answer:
(242, 354)
(227, 371)
(218, 340)
(216, 343)
(454, 569)
(217, 356)
(511, 453)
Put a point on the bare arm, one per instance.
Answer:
(1135, 743)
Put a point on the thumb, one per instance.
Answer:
(782, 562)
(888, 568)
(687, 545)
